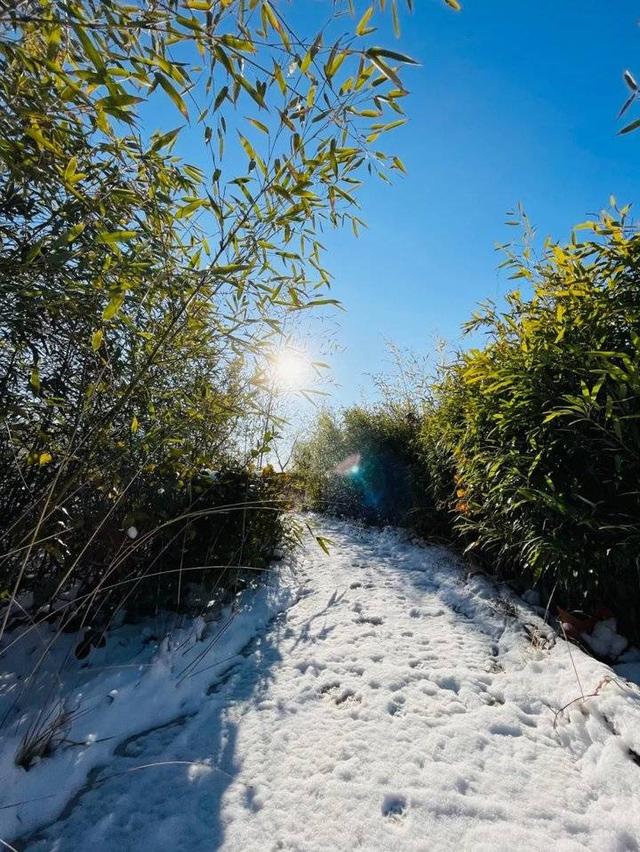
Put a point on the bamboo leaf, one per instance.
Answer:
(384, 69)
(115, 303)
(361, 29)
(259, 125)
(630, 127)
(96, 339)
(173, 94)
(166, 139)
(391, 54)
(114, 237)
(90, 49)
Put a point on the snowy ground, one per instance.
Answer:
(393, 704)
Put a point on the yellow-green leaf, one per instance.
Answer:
(311, 96)
(271, 16)
(324, 543)
(113, 237)
(361, 29)
(277, 73)
(384, 69)
(334, 63)
(96, 339)
(89, 47)
(166, 139)
(75, 231)
(70, 170)
(238, 43)
(306, 62)
(259, 125)
(190, 208)
(115, 303)
(173, 94)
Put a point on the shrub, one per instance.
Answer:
(365, 464)
(525, 450)
(140, 294)
(534, 441)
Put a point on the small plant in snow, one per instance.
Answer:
(44, 736)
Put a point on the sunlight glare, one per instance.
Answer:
(349, 466)
(291, 370)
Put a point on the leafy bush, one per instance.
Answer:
(534, 441)
(366, 464)
(140, 555)
(527, 450)
(140, 294)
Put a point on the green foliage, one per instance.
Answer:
(534, 442)
(366, 464)
(139, 292)
(526, 450)
(215, 533)
(632, 87)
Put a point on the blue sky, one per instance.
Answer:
(514, 102)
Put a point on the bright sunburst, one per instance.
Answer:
(290, 369)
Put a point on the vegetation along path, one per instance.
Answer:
(399, 703)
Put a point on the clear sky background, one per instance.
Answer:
(515, 101)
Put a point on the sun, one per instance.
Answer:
(290, 369)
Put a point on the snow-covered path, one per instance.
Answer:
(395, 706)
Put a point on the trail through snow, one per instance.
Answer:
(397, 705)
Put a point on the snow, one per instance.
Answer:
(605, 640)
(136, 682)
(396, 702)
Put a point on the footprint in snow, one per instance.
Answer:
(252, 800)
(395, 707)
(503, 730)
(339, 697)
(394, 807)
(375, 620)
(448, 682)
(348, 696)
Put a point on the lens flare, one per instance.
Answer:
(350, 465)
